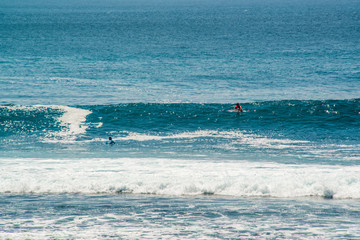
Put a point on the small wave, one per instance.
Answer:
(57, 123)
(71, 120)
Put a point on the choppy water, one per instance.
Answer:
(161, 78)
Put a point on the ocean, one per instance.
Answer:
(162, 79)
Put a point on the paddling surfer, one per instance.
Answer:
(110, 141)
(238, 108)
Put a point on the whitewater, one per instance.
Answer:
(178, 178)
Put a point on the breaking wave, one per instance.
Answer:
(179, 177)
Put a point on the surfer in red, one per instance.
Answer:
(238, 108)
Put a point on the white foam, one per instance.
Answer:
(146, 137)
(72, 122)
(240, 137)
(178, 177)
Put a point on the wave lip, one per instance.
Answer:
(72, 124)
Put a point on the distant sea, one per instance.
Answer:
(162, 79)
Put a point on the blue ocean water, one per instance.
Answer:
(162, 78)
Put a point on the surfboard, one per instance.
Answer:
(234, 110)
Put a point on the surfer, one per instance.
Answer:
(111, 142)
(238, 108)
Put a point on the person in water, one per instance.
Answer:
(238, 107)
(111, 142)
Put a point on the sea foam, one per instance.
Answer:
(72, 124)
(178, 178)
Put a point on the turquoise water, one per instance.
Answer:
(162, 78)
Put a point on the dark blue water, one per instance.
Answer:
(206, 51)
(162, 78)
